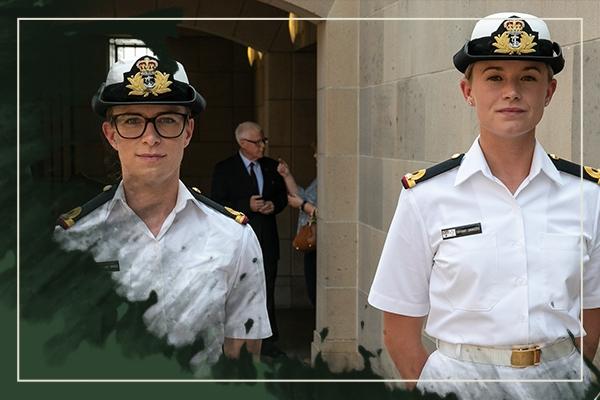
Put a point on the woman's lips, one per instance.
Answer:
(151, 156)
(511, 110)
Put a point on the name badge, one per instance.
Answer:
(458, 231)
(109, 266)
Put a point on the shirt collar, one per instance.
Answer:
(246, 161)
(474, 161)
(183, 195)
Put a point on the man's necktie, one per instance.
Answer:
(253, 179)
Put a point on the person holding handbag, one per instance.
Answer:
(304, 199)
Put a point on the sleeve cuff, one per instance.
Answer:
(397, 306)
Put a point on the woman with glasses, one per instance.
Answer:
(196, 264)
(488, 248)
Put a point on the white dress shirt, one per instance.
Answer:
(206, 269)
(257, 171)
(515, 282)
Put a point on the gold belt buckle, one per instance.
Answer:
(522, 357)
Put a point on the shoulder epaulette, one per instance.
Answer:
(589, 173)
(410, 180)
(69, 219)
(239, 217)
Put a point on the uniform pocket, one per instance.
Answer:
(466, 272)
(561, 254)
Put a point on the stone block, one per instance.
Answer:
(304, 122)
(341, 122)
(338, 188)
(278, 76)
(242, 93)
(365, 120)
(216, 87)
(370, 325)
(345, 9)
(215, 124)
(383, 120)
(338, 314)
(339, 45)
(370, 244)
(370, 191)
(278, 127)
(371, 57)
(369, 8)
(304, 75)
(337, 243)
(591, 103)
(240, 114)
(555, 129)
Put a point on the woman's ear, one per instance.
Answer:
(109, 133)
(465, 88)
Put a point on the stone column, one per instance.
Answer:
(337, 132)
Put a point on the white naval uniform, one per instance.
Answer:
(205, 268)
(516, 282)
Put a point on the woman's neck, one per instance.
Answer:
(152, 203)
(509, 159)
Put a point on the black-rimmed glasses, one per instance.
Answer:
(168, 125)
(264, 141)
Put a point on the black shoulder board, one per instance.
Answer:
(68, 219)
(239, 217)
(410, 180)
(589, 173)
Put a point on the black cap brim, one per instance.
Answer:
(462, 59)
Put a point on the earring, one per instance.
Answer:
(470, 100)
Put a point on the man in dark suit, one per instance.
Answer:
(249, 182)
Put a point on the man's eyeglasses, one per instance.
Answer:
(168, 125)
(264, 141)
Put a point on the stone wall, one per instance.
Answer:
(389, 103)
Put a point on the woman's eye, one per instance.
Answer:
(529, 78)
(495, 78)
(166, 120)
(133, 121)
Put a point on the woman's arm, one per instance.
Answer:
(591, 324)
(290, 183)
(402, 338)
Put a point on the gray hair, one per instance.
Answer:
(244, 127)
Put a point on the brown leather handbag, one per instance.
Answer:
(306, 239)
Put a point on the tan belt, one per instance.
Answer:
(516, 356)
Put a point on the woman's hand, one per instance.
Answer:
(283, 169)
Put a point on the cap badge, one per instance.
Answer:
(514, 40)
(148, 79)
